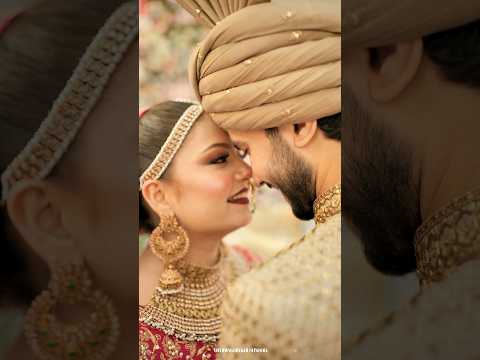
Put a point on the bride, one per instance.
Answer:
(194, 190)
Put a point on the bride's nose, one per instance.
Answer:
(244, 172)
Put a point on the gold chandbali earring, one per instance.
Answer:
(92, 338)
(170, 243)
(253, 196)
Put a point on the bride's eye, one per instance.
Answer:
(220, 159)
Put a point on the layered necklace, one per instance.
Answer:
(193, 314)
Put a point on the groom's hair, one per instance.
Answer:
(330, 125)
(457, 53)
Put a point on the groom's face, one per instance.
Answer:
(258, 150)
(276, 165)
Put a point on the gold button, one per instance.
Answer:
(297, 34)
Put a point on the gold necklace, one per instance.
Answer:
(328, 204)
(449, 238)
(194, 313)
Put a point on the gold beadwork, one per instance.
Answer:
(76, 100)
(169, 249)
(296, 35)
(328, 204)
(93, 338)
(172, 144)
(288, 15)
(449, 238)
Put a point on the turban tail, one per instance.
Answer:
(271, 64)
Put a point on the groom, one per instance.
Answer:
(269, 74)
(411, 103)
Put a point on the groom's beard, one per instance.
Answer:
(291, 174)
(378, 195)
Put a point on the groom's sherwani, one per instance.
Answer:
(443, 321)
(264, 64)
(290, 305)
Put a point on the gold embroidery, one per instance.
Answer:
(328, 204)
(449, 238)
(172, 144)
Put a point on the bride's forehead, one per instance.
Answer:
(206, 131)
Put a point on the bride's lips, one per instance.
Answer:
(238, 199)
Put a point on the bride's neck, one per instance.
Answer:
(204, 250)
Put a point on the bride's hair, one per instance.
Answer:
(39, 52)
(155, 126)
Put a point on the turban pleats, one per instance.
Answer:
(270, 64)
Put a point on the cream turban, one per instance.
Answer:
(369, 23)
(268, 64)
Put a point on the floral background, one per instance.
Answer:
(167, 36)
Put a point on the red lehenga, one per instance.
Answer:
(186, 325)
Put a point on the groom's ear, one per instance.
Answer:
(393, 68)
(301, 134)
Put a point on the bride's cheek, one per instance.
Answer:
(219, 185)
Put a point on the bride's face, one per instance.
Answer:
(207, 182)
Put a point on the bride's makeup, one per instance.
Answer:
(210, 181)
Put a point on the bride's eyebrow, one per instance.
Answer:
(223, 145)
